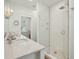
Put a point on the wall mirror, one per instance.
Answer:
(26, 26)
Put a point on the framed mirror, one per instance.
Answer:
(26, 26)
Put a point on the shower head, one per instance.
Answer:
(62, 7)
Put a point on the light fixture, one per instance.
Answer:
(8, 12)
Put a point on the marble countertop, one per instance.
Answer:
(24, 47)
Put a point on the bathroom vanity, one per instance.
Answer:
(24, 49)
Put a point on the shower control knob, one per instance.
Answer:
(55, 52)
(63, 32)
(72, 8)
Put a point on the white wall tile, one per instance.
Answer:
(59, 31)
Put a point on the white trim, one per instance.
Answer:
(42, 54)
(71, 29)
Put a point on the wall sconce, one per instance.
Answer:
(8, 12)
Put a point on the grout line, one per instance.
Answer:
(49, 29)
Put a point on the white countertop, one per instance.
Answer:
(24, 47)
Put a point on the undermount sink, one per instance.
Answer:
(19, 42)
(22, 41)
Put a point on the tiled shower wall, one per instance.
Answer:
(53, 29)
(59, 24)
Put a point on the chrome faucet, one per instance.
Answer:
(9, 37)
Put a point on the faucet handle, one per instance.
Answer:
(9, 40)
(6, 36)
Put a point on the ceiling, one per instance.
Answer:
(33, 2)
(49, 2)
(25, 3)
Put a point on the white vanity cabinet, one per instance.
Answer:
(35, 55)
(24, 49)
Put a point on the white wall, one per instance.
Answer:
(59, 31)
(43, 26)
(18, 12)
